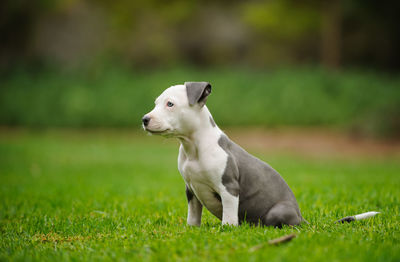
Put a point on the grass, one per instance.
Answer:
(366, 102)
(117, 195)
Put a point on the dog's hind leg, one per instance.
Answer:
(282, 213)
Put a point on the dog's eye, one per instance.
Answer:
(170, 104)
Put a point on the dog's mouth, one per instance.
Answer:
(157, 132)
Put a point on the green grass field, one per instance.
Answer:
(117, 195)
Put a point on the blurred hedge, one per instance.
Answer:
(365, 102)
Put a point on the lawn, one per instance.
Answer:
(117, 195)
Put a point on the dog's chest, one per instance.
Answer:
(203, 175)
(208, 168)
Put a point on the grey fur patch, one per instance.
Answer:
(197, 92)
(189, 194)
(230, 177)
(282, 213)
(346, 219)
(259, 186)
(212, 122)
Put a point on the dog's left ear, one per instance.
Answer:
(197, 92)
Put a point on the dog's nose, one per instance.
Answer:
(145, 120)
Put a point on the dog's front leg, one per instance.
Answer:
(230, 208)
(195, 208)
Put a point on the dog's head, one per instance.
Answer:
(177, 109)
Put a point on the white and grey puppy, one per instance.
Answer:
(232, 184)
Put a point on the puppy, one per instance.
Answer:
(232, 184)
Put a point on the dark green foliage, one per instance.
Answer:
(164, 33)
(87, 196)
(364, 102)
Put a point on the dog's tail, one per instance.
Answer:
(357, 217)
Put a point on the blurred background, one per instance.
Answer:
(281, 63)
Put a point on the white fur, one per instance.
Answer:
(230, 206)
(201, 160)
(365, 215)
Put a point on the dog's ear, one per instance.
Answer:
(197, 92)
